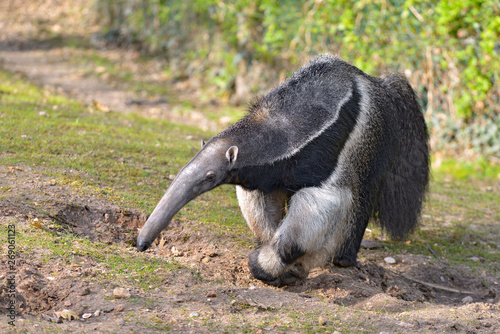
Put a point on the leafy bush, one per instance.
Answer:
(449, 49)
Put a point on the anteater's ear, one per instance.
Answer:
(202, 143)
(232, 154)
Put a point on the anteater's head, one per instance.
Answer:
(209, 168)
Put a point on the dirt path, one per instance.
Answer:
(32, 43)
(210, 288)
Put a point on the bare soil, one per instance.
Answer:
(212, 290)
(213, 287)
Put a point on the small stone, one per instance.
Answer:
(206, 259)
(108, 308)
(119, 308)
(97, 313)
(67, 303)
(321, 321)
(43, 113)
(390, 260)
(86, 315)
(474, 258)
(194, 314)
(369, 244)
(467, 300)
(85, 291)
(405, 324)
(55, 318)
(67, 314)
(121, 293)
(171, 177)
(176, 252)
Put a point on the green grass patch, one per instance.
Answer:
(478, 169)
(459, 224)
(115, 264)
(124, 158)
(127, 159)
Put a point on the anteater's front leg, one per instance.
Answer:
(314, 228)
(262, 212)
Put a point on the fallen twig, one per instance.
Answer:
(432, 251)
(440, 287)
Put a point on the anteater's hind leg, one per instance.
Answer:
(262, 212)
(315, 226)
(347, 253)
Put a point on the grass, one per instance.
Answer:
(460, 221)
(478, 169)
(116, 264)
(127, 160)
(124, 158)
(464, 216)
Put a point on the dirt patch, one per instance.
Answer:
(111, 225)
(36, 293)
(211, 288)
(218, 287)
(86, 216)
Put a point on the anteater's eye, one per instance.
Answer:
(210, 177)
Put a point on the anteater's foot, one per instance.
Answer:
(345, 261)
(292, 273)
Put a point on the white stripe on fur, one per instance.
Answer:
(320, 218)
(316, 134)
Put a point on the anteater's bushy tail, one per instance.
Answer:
(404, 189)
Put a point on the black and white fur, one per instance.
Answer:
(316, 158)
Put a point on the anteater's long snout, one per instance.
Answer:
(143, 245)
(174, 199)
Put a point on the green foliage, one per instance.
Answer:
(450, 50)
(479, 169)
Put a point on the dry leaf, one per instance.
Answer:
(36, 223)
(101, 107)
(121, 293)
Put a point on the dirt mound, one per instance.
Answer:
(412, 280)
(36, 293)
(210, 279)
(110, 225)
